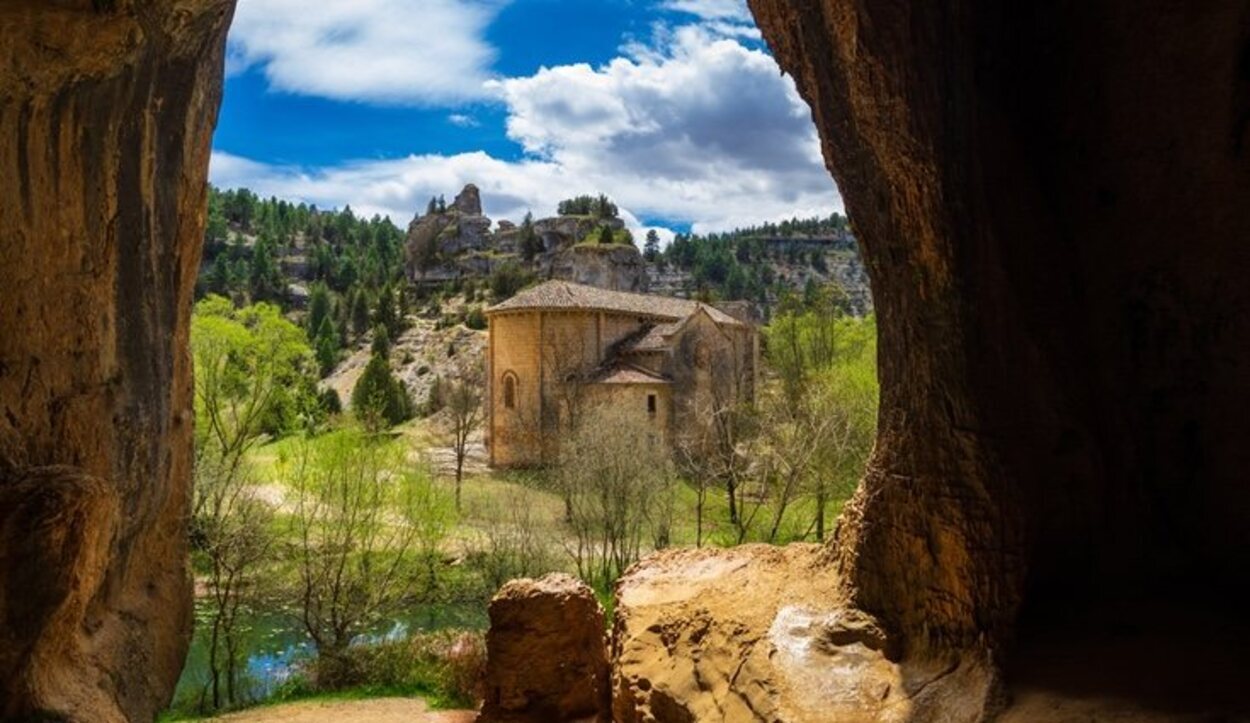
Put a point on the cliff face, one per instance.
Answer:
(1063, 341)
(618, 267)
(105, 129)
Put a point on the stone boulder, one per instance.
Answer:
(546, 653)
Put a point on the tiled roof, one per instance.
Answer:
(655, 339)
(568, 295)
(628, 374)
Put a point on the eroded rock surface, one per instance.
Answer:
(106, 118)
(760, 633)
(616, 267)
(546, 653)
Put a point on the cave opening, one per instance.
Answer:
(1052, 204)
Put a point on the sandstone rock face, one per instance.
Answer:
(1063, 343)
(616, 267)
(105, 130)
(546, 653)
(760, 633)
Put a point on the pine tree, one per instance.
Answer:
(326, 345)
(531, 244)
(605, 236)
(386, 313)
(379, 399)
(360, 312)
(318, 309)
(651, 248)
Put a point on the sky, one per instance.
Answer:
(674, 108)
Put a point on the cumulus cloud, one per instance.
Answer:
(700, 130)
(708, 131)
(403, 52)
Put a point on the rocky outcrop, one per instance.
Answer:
(1062, 369)
(561, 232)
(435, 240)
(469, 201)
(617, 267)
(546, 653)
(105, 129)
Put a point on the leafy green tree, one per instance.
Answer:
(243, 358)
(506, 280)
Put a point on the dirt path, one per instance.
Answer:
(379, 710)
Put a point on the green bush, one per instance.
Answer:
(445, 666)
(475, 319)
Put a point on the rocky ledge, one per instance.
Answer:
(754, 633)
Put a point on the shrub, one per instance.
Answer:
(330, 401)
(475, 319)
(447, 666)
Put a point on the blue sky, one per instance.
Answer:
(672, 107)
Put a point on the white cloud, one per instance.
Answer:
(735, 10)
(699, 129)
(463, 121)
(405, 52)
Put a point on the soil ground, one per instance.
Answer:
(378, 710)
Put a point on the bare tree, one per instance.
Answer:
(463, 415)
(614, 471)
(235, 539)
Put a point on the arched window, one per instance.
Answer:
(509, 390)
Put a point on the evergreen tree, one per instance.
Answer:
(606, 236)
(381, 342)
(219, 281)
(651, 248)
(379, 399)
(360, 312)
(326, 346)
(387, 313)
(318, 309)
(531, 244)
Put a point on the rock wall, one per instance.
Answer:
(106, 117)
(1052, 205)
(617, 267)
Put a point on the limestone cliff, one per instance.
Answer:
(618, 267)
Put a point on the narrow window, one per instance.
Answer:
(651, 406)
(509, 391)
